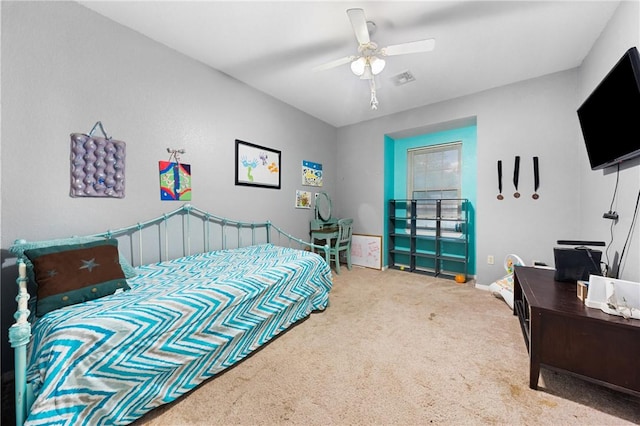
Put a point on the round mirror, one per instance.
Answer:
(323, 206)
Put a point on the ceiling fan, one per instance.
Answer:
(368, 62)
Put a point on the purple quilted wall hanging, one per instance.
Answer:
(97, 165)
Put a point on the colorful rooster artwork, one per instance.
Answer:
(175, 181)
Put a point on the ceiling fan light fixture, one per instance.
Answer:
(358, 66)
(366, 66)
(367, 74)
(377, 64)
(369, 63)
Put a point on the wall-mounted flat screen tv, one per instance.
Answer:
(610, 116)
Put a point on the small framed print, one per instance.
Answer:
(303, 199)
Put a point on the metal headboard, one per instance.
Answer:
(179, 239)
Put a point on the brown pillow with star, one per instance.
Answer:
(71, 274)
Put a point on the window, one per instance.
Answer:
(435, 172)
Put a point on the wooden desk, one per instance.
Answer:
(327, 234)
(563, 334)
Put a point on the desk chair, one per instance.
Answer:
(342, 243)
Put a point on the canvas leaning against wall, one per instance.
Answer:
(366, 251)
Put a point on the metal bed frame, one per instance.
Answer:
(135, 242)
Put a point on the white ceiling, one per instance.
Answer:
(273, 46)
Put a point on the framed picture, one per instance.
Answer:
(303, 199)
(311, 173)
(257, 165)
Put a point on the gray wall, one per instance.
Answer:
(597, 187)
(531, 118)
(65, 67)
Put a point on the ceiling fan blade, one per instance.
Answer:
(411, 47)
(359, 24)
(335, 63)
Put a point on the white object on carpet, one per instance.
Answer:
(504, 286)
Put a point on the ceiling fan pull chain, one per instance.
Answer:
(374, 99)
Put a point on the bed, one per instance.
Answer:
(162, 327)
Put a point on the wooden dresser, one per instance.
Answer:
(562, 334)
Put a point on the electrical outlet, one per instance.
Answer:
(490, 260)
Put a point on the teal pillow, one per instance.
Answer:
(127, 268)
(75, 273)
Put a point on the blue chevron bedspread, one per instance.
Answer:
(111, 360)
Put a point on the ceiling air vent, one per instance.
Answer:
(403, 78)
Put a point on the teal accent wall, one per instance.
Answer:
(389, 173)
(395, 161)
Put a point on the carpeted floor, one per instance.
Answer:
(396, 348)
